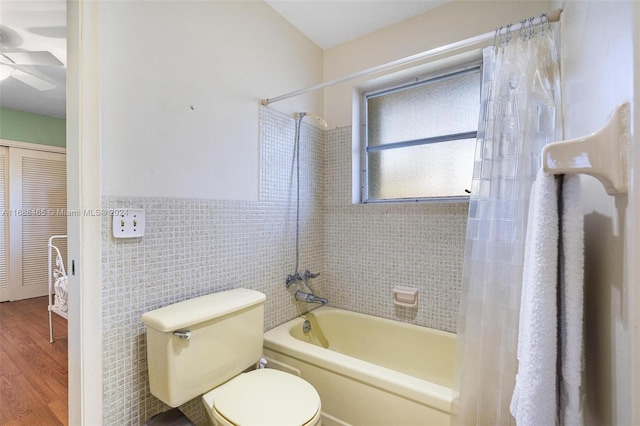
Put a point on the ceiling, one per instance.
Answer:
(329, 23)
(40, 25)
(28, 26)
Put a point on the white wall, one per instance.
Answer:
(180, 87)
(597, 67)
(447, 24)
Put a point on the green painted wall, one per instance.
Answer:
(35, 128)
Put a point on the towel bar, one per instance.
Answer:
(602, 154)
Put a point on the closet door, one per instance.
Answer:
(4, 225)
(38, 197)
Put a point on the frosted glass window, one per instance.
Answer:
(420, 138)
(422, 171)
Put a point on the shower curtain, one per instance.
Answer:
(520, 113)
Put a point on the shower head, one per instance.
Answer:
(301, 115)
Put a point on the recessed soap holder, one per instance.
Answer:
(603, 154)
(405, 296)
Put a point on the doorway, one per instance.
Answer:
(33, 159)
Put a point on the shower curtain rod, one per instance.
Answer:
(553, 16)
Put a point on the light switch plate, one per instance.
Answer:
(129, 223)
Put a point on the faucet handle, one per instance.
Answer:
(290, 280)
(310, 275)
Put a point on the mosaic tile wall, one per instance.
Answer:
(370, 248)
(196, 247)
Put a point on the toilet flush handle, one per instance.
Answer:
(183, 334)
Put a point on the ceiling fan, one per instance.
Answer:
(17, 64)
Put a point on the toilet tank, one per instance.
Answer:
(226, 332)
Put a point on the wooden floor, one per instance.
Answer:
(33, 372)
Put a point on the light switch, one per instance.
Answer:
(128, 223)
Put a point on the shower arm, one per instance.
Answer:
(319, 119)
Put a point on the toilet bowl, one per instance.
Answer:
(264, 397)
(202, 347)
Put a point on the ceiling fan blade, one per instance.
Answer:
(42, 57)
(31, 80)
(9, 38)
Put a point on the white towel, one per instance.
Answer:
(534, 397)
(538, 382)
(571, 317)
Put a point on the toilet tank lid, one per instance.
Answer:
(193, 311)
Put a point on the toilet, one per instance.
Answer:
(204, 347)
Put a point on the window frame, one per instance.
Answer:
(404, 84)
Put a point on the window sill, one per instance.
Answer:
(454, 199)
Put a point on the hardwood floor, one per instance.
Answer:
(33, 372)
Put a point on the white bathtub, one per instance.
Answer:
(368, 370)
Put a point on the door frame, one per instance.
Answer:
(84, 232)
(9, 143)
(5, 291)
(633, 251)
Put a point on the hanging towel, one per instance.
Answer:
(534, 400)
(571, 306)
(548, 387)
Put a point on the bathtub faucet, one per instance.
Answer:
(298, 276)
(302, 296)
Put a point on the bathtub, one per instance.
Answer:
(368, 370)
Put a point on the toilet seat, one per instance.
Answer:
(264, 397)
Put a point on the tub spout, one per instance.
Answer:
(302, 296)
(320, 300)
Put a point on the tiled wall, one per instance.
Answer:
(370, 248)
(196, 247)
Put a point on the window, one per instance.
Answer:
(420, 138)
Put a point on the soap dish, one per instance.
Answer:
(405, 296)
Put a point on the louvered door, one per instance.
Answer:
(38, 197)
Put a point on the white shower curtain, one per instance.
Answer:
(520, 113)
